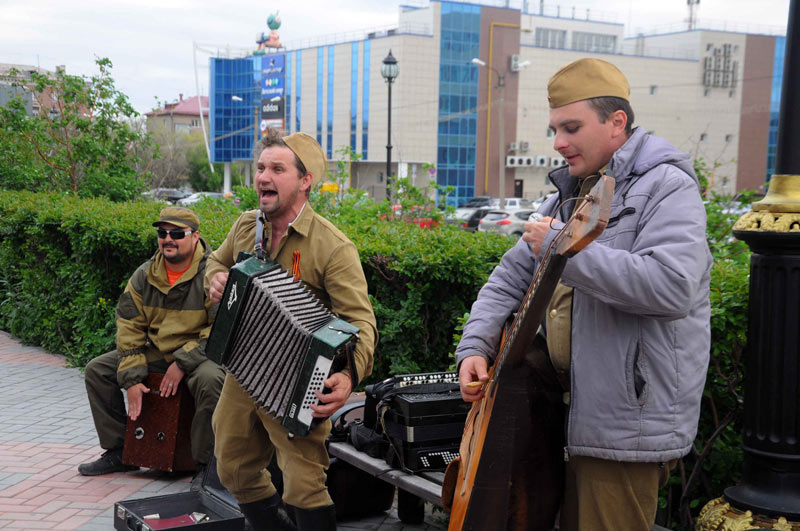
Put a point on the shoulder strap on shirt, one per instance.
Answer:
(261, 254)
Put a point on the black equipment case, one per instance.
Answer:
(214, 501)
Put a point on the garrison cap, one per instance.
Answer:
(309, 152)
(178, 216)
(584, 79)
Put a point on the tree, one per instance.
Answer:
(170, 168)
(83, 143)
(200, 175)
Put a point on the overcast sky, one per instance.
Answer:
(150, 42)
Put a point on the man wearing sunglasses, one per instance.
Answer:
(162, 325)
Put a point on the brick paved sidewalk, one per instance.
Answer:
(46, 430)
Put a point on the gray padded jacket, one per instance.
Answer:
(640, 314)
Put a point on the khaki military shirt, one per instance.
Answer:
(158, 321)
(558, 320)
(329, 267)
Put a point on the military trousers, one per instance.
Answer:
(247, 438)
(611, 495)
(107, 401)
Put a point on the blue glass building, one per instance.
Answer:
(235, 94)
(458, 99)
(775, 104)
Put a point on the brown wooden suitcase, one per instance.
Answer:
(160, 437)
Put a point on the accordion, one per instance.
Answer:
(278, 340)
(421, 416)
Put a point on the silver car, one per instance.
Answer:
(508, 222)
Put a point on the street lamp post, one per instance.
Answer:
(389, 71)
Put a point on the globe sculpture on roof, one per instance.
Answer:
(271, 39)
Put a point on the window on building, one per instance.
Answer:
(731, 93)
(550, 133)
(703, 137)
(653, 90)
(551, 38)
(728, 138)
(594, 42)
(707, 92)
(709, 46)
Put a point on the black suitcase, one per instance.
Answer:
(217, 505)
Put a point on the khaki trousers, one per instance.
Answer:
(246, 440)
(609, 495)
(108, 404)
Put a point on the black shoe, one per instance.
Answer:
(109, 462)
(268, 514)
(317, 519)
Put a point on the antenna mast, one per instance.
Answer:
(692, 20)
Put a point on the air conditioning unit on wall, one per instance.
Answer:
(524, 146)
(541, 161)
(557, 162)
(512, 146)
(517, 161)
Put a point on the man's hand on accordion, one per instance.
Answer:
(217, 286)
(341, 387)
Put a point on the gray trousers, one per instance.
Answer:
(108, 403)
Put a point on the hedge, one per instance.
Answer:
(64, 262)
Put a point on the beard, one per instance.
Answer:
(177, 257)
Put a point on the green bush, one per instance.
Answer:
(65, 260)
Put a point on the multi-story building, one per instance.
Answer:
(17, 80)
(182, 116)
(471, 100)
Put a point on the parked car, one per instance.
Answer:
(514, 203)
(197, 196)
(480, 201)
(468, 218)
(170, 195)
(508, 222)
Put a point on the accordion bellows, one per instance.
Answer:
(276, 340)
(280, 342)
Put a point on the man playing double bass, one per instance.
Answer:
(627, 329)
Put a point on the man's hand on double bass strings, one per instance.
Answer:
(472, 377)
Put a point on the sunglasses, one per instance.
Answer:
(175, 234)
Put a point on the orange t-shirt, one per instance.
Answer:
(173, 276)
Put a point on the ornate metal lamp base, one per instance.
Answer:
(718, 515)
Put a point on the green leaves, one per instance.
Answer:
(79, 143)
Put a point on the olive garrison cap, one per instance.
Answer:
(584, 79)
(309, 152)
(178, 216)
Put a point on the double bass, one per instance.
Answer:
(482, 487)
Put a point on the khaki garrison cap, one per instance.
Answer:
(309, 152)
(178, 216)
(584, 79)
